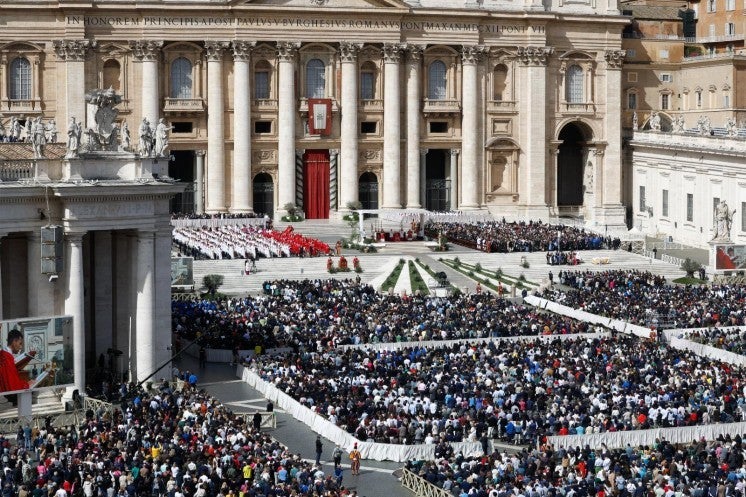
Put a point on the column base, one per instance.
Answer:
(241, 210)
(471, 207)
(397, 207)
(609, 218)
(413, 206)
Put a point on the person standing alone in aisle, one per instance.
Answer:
(319, 449)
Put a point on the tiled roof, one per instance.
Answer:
(24, 151)
(653, 12)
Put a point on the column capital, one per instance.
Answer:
(74, 237)
(614, 58)
(534, 56)
(471, 54)
(216, 49)
(73, 50)
(348, 51)
(146, 50)
(200, 153)
(242, 50)
(146, 233)
(287, 50)
(424, 151)
(392, 53)
(414, 52)
(455, 151)
(333, 152)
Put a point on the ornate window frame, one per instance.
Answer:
(34, 54)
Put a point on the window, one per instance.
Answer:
(368, 81)
(574, 85)
(436, 81)
(631, 53)
(181, 78)
(315, 79)
(262, 127)
(711, 30)
(664, 208)
(663, 54)
(730, 4)
(438, 127)
(112, 74)
(261, 80)
(367, 127)
(666, 78)
(665, 101)
(499, 77)
(631, 77)
(690, 207)
(698, 98)
(632, 100)
(182, 127)
(642, 198)
(726, 101)
(20, 79)
(711, 6)
(730, 28)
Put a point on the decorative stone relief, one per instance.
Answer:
(147, 50)
(348, 51)
(216, 49)
(287, 50)
(370, 154)
(534, 56)
(73, 50)
(263, 155)
(615, 58)
(242, 50)
(392, 53)
(414, 53)
(471, 54)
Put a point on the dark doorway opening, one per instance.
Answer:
(181, 167)
(368, 190)
(264, 194)
(437, 186)
(570, 166)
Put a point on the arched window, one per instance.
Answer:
(499, 78)
(262, 73)
(181, 78)
(20, 79)
(574, 85)
(112, 74)
(315, 79)
(368, 81)
(436, 81)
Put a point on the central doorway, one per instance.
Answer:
(570, 166)
(181, 167)
(316, 184)
(437, 186)
(368, 190)
(264, 195)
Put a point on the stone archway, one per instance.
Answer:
(264, 194)
(574, 170)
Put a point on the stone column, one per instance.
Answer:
(423, 177)
(145, 307)
(73, 54)
(103, 298)
(2, 235)
(242, 127)
(471, 189)
(148, 52)
(391, 127)
(349, 126)
(611, 160)
(75, 305)
(533, 134)
(286, 54)
(454, 177)
(414, 100)
(215, 201)
(199, 182)
(162, 304)
(333, 183)
(554, 154)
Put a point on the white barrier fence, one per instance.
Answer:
(217, 222)
(678, 341)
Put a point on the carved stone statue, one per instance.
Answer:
(126, 140)
(3, 136)
(723, 222)
(588, 178)
(146, 138)
(679, 127)
(634, 121)
(730, 127)
(655, 121)
(161, 138)
(74, 130)
(38, 138)
(103, 135)
(704, 126)
(15, 129)
(51, 132)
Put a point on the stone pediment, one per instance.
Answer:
(330, 4)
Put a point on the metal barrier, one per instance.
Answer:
(100, 406)
(420, 486)
(676, 261)
(269, 419)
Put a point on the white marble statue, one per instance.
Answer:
(74, 130)
(15, 129)
(704, 126)
(161, 138)
(723, 222)
(126, 139)
(655, 121)
(730, 127)
(51, 132)
(38, 139)
(146, 138)
(634, 121)
(679, 125)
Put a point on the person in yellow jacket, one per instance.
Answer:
(355, 457)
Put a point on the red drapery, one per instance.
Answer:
(316, 184)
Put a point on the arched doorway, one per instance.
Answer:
(437, 184)
(571, 165)
(181, 167)
(368, 190)
(264, 194)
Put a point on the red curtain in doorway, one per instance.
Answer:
(316, 184)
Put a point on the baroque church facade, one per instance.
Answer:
(511, 106)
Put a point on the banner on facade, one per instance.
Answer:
(36, 353)
(182, 272)
(730, 257)
(319, 116)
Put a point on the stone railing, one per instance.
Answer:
(30, 106)
(420, 486)
(265, 104)
(17, 170)
(579, 108)
(714, 39)
(432, 106)
(184, 105)
(375, 105)
(500, 105)
(116, 167)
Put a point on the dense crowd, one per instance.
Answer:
(317, 315)
(641, 297)
(222, 215)
(729, 339)
(517, 394)
(534, 236)
(162, 443)
(699, 469)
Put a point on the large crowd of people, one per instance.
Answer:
(728, 339)
(317, 315)
(518, 393)
(162, 443)
(642, 298)
(534, 236)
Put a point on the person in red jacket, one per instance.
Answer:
(9, 377)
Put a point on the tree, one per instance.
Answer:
(212, 282)
(690, 267)
(291, 209)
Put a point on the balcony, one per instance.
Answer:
(373, 105)
(715, 39)
(572, 108)
(441, 107)
(184, 105)
(29, 106)
(500, 106)
(265, 104)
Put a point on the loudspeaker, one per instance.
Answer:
(52, 261)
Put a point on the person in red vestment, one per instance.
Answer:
(9, 378)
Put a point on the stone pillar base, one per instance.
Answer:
(610, 217)
(535, 212)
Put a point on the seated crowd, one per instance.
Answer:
(698, 469)
(639, 296)
(244, 242)
(729, 339)
(163, 443)
(534, 236)
(518, 393)
(317, 315)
